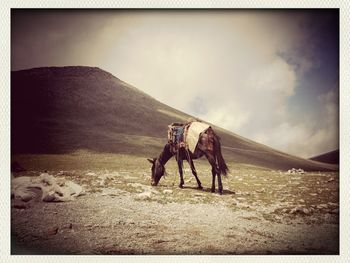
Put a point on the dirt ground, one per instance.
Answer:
(260, 212)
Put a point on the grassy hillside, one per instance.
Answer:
(330, 157)
(59, 110)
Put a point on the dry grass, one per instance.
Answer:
(261, 211)
(272, 192)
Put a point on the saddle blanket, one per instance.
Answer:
(193, 133)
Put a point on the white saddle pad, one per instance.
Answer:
(195, 129)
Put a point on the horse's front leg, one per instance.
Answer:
(179, 164)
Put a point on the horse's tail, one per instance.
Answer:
(220, 160)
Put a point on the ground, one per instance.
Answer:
(262, 211)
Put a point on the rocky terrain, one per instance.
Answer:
(262, 211)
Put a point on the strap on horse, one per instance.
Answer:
(177, 134)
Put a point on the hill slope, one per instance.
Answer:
(63, 109)
(330, 157)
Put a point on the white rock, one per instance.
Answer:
(295, 171)
(53, 189)
(306, 211)
(144, 195)
(299, 210)
(322, 206)
(333, 204)
(260, 190)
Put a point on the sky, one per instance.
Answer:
(268, 75)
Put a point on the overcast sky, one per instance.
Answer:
(270, 76)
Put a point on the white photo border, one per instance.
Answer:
(344, 115)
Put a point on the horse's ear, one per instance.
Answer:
(150, 160)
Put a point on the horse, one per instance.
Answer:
(208, 145)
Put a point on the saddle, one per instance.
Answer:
(177, 135)
(187, 135)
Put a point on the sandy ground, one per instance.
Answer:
(121, 213)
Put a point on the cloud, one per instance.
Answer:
(236, 71)
(239, 70)
(311, 137)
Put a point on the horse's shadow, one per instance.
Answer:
(208, 190)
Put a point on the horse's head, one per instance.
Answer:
(157, 169)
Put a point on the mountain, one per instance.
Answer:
(330, 157)
(64, 109)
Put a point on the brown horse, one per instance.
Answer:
(208, 145)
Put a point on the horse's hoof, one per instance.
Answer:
(200, 187)
(181, 186)
(212, 190)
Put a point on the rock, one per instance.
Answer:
(331, 180)
(27, 197)
(167, 191)
(52, 189)
(333, 204)
(322, 206)
(52, 231)
(20, 205)
(295, 171)
(306, 211)
(49, 197)
(260, 190)
(300, 210)
(144, 195)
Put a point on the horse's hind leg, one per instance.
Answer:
(194, 172)
(214, 171)
(219, 182)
